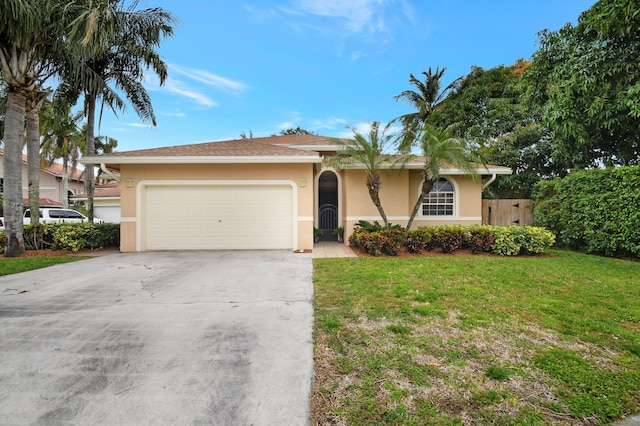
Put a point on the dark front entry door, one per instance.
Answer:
(328, 205)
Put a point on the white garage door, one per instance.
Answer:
(217, 216)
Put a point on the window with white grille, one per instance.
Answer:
(440, 201)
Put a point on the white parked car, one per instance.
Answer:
(54, 215)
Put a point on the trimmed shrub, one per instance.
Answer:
(420, 239)
(479, 238)
(71, 236)
(516, 240)
(504, 241)
(596, 211)
(388, 241)
(450, 237)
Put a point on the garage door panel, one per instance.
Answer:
(218, 217)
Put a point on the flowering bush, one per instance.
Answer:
(504, 241)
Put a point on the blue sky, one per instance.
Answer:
(262, 66)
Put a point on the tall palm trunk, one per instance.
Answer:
(13, 131)
(427, 186)
(34, 103)
(90, 183)
(374, 185)
(65, 177)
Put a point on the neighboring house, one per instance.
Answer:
(268, 193)
(106, 201)
(50, 182)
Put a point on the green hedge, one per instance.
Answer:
(596, 211)
(70, 236)
(500, 240)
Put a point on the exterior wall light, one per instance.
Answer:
(129, 183)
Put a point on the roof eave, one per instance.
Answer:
(488, 170)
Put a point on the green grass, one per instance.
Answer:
(455, 340)
(21, 264)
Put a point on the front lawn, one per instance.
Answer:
(551, 339)
(13, 265)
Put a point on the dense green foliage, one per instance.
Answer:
(596, 211)
(72, 236)
(489, 110)
(587, 79)
(504, 241)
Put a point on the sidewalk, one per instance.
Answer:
(331, 249)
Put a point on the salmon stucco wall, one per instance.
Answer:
(398, 195)
(301, 174)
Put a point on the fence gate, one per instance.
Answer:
(507, 212)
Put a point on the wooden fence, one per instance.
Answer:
(507, 212)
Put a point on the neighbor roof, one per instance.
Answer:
(56, 169)
(107, 190)
(236, 151)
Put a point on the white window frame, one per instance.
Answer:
(449, 201)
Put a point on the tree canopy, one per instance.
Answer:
(587, 80)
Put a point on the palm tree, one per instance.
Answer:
(32, 35)
(125, 50)
(61, 138)
(428, 98)
(368, 153)
(438, 148)
(35, 100)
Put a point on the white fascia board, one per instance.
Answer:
(445, 171)
(316, 147)
(202, 160)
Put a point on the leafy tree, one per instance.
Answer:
(371, 153)
(489, 109)
(588, 79)
(428, 98)
(438, 148)
(297, 131)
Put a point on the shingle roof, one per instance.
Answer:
(298, 140)
(241, 148)
(55, 169)
(107, 190)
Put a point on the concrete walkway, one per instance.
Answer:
(162, 338)
(331, 249)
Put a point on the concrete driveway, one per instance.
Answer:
(215, 338)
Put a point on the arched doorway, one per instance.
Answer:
(328, 205)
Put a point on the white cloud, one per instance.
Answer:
(194, 84)
(329, 123)
(139, 125)
(357, 16)
(223, 84)
(179, 88)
